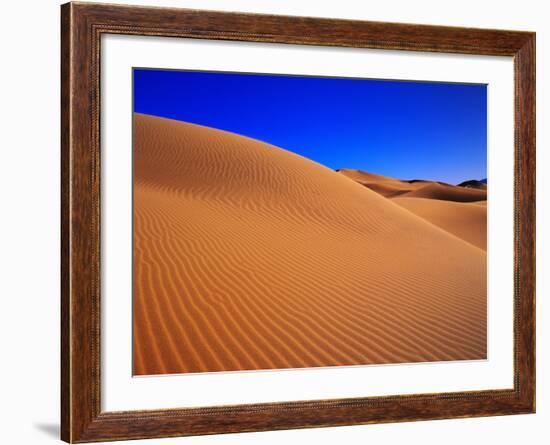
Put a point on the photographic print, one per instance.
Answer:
(285, 221)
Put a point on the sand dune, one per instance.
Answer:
(383, 185)
(448, 207)
(466, 220)
(247, 256)
(366, 177)
(433, 190)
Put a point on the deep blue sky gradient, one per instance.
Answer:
(408, 130)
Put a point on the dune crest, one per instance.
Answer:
(247, 256)
(383, 185)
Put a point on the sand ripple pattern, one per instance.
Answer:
(247, 256)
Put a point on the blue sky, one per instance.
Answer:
(404, 129)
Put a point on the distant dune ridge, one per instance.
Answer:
(247, 257)
(384, 185)
(473, 183)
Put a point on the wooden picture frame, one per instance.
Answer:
(82, 25)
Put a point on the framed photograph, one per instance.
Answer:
(275, 222)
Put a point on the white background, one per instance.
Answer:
(29, 227)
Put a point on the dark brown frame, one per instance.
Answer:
(82, 25)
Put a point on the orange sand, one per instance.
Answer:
(434, 190)
(247, 256)
(467, 220)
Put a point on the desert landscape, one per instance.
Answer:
(248, 256)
